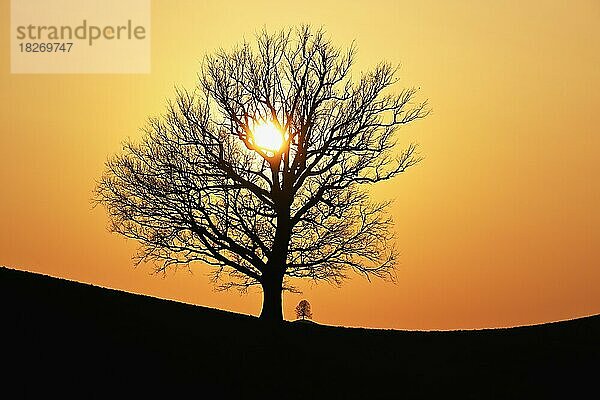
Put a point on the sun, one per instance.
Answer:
(267, 136)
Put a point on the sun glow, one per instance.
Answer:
(267, 136)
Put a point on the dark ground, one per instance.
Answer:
(74, 340)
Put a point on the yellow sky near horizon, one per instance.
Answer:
(498, 226)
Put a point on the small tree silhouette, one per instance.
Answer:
(303, 310)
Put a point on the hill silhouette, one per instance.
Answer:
(75, 340)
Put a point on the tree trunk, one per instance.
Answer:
(271, 308)
(272, 278)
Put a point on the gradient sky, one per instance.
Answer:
(498, 226)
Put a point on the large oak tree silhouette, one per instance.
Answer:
(203, 186)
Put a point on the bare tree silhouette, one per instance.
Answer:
(303, 310)
(201, 185)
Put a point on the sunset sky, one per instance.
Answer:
(498, 226)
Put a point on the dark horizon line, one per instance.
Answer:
(483, 329)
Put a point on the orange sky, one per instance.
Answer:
(499, 226)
